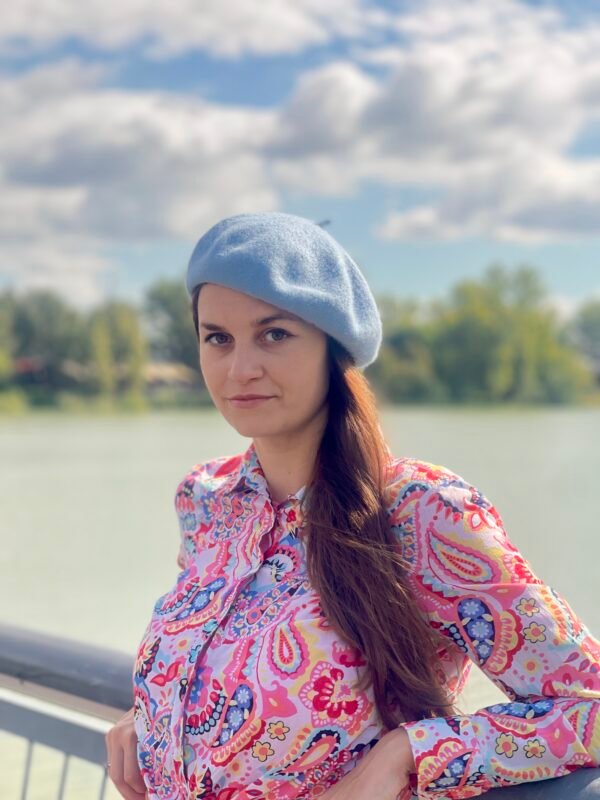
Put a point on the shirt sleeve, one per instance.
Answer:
(477, 589)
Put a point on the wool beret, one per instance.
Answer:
(294, 264)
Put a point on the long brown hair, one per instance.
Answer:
(353, 556)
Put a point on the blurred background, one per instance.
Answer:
(453, 148)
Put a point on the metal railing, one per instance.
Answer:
(62, 694)
(65, 694)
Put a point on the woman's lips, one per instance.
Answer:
(249, 403)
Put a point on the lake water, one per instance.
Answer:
(90, 537)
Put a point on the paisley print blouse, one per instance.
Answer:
(242, 690)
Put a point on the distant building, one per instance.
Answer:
(168, 373)
(37, 369)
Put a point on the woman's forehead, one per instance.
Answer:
(220, 300)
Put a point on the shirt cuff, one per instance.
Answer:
(447, 758)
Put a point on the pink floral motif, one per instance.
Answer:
(535, 632)
(331, 697)
(277, 730)
(348, 656)
(528, 607)
(262, 750)
(534, 749)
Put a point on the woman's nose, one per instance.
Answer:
(245, 364)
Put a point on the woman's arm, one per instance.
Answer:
(476, 589)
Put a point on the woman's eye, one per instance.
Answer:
(209, 337)
(278, 330)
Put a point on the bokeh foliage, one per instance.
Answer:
(496, 339)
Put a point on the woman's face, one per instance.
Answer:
(242, 352)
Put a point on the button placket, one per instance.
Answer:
(268, 520)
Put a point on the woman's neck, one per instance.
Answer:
(288, 460)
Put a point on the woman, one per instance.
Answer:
(332, 596)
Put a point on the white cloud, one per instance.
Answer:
(164, 28)
(531, 198)
(86, 168)
(70, 265)
(478, 104)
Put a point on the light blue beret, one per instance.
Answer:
(294, 264)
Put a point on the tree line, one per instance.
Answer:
(496, 339)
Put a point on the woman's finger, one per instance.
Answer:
(131, 769)
(117, 776)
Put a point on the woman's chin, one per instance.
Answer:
(252, 428)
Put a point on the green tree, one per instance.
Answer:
(467, 334)
(119, 351)
(169, 325)
(404, 369)
(7, 343)
(44, 325)
(495, 340)
(101, 356)
(584, 332)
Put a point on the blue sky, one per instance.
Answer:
(438, 137)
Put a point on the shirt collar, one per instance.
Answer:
(249, 474)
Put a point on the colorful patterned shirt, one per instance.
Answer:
(242, 689)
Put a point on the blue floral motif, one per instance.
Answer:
(202, 598)
(524, 710)
(243, 696)
(477, 622)
(479, 629)
(235, 718)
(453, 773)
(484, 650)
(237, 713)
(471, 608)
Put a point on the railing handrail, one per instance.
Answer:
(54, 667)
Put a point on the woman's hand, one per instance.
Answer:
(121, 751)
(383, 774)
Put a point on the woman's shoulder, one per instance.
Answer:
(410, 479)
(210, 475)
(406, 471)
(438, 491)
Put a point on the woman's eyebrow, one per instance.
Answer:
(211, 326)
